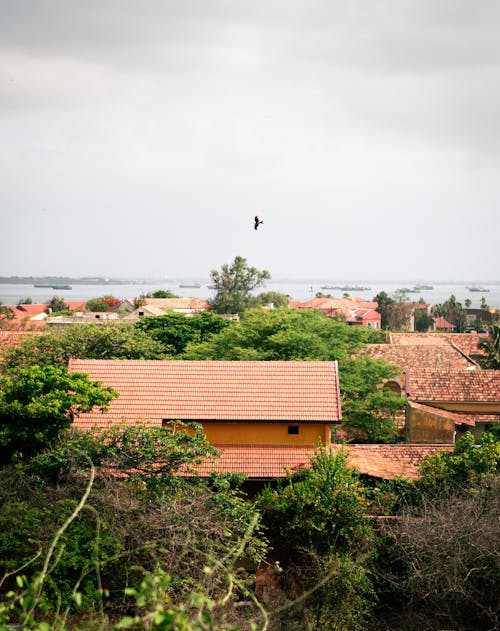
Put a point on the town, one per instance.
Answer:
(396, 398)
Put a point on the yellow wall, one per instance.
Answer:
(265, 434)
(427, 428)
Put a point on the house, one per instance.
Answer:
(84, 317)
(238, 403)
(444, 403)
(177, 305)
(364, 317)
(265, 418)
(425, 353)
(355, 311)
(26, 317)
(441, 324)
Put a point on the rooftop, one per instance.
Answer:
(251, 391)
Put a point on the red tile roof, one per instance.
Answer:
(327, 304)
(9, 339)
(264, 462)
(478, 386)
(437, 356)
(32, 309)
(254, 391)
(76, 305)
(441, 323)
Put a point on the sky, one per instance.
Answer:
(139, 138)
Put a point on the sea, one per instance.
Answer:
(12, 294)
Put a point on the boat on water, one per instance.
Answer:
(481, 289)
(346, 287)
(190, 285)
(423, 287)
(52, 286)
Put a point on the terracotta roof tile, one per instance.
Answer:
(439, 356)
(479, 386)
(214, 391)
(263, 462)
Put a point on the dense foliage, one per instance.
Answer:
(37, 403)
(175, 331)
(85, 341)
(233, 285)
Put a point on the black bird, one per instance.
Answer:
(257, 222)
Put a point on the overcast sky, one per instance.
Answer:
(140, 137)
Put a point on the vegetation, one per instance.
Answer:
(56, 305)
(173, 332)
(233, 286)
(117, 531)
(451, 310)
(5, 313)
(160, 293)
(86, 341)
(82, 547)
(369, 410)
(103, 303)
(395, 310)
(491, 346)
(37, 403)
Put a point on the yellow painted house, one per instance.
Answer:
(277, 403)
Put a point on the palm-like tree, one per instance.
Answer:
(491, 345)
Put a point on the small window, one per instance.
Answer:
(293, 429)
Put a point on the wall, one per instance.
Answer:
(428, 428)
(265, 434)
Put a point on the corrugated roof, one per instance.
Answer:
(254, 391)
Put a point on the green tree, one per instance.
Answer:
(103, 303)
(86, 341)
(423, 321)
(57, 304)
(469, 461)
(321, 506)
(452, 311)
(174, 330)
(36, 403)
(160, 293)
(385, 303)
(397, 310)
(491, 346)
(5, 312)
(234, 284)
(275, 298)
(25, 301)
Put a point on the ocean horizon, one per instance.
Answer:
(13, 293)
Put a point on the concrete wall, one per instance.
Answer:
(428, 428)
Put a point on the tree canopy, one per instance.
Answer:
(37, 402)
(86, 341)
(174, 330)
(233, 286)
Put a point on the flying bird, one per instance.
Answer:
(257, 222)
